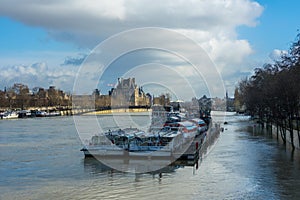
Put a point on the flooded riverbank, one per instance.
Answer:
(40, 159)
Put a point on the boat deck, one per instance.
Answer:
(196, 148)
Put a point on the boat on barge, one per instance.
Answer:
(133, 142)
(170, 135)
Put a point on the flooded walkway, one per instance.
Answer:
(40, 159)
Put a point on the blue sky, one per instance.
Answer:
(277, 28)
(40, 43)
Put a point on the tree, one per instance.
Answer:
(22, 95)
(272, 93)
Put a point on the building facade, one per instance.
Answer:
(128, 94)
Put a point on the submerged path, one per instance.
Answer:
(41, 160)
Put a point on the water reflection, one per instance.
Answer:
(276, 163)
(96, 167)
(47, 164)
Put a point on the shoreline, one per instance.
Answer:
(274, 132)
(87, 112)
(120, 111)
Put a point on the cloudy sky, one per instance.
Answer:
(44, 43)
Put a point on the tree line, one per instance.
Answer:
(272, 93)
(19, 96)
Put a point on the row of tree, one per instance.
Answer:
(273, 93)
(19, 96)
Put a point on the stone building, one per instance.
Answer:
(127, 93)
(161, 100)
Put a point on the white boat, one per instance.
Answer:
(111, 143)
(202, 126)
(46, 114)
(25, 114)
(170, 135)
(132, 142)
(40, 113)
(189, 129)
(9, 115)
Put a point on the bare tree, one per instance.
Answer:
(272, 93)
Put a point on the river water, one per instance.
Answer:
(40, 159)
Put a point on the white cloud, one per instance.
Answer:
(211, 23)
(103, 18)
(38, 75)
(176, 81)
(276, 54)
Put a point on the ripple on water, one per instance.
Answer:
(40, 159)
